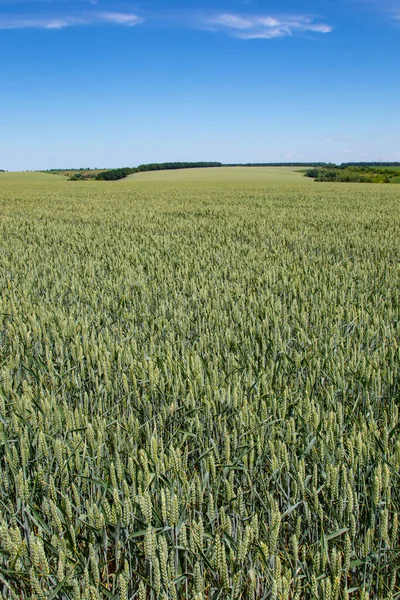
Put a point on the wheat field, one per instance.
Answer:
(199, 389)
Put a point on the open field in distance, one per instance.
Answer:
(28, 177)
(71, 172)
(199, 387)
(225, 174)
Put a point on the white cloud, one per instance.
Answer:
(40, 23)
(264, 26)
(125, 19)
(240, 26)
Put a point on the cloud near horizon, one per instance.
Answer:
(250, 27)
(93, 18)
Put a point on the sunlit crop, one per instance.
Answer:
(199, 390)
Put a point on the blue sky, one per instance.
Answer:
(104, 83)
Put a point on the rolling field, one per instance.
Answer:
(71, 172)
(264, 175)
(199, 387)
(28, 178)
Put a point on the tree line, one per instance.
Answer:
(320, 171)
(277, 164)
(114, 174)
(353, 174)
(370, 164)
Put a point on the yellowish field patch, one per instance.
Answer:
(267, 175)
(30, 177)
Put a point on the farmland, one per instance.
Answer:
(76, 174)
(227, 175)
(199, 387)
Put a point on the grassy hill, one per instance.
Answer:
(77, 173)
(273, 175)
(30, 177)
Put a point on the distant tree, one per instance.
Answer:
(177, 165)
(115, 174)
(277, 164)
(353, 174)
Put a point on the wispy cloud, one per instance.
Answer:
(388, 8)
(338, 139)
(241, 26)
(249, 27)
(51, 22)
(39, 22)
(126, 19)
